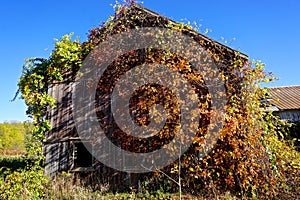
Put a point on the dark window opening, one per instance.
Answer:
(81, 156)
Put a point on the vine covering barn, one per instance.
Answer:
(238, 161)
(65, 150)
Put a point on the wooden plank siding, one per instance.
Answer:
(57, 143)
(289, 115)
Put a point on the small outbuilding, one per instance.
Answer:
(285, 102)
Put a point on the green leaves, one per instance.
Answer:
(37, 75)
(67, 54)
(23, 184)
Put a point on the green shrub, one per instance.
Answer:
(23, 184)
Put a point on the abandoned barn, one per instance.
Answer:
(63, 148)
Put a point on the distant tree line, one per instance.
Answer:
(14, 135)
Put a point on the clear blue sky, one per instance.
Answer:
(264, 29)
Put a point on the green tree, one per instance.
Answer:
(12, 136)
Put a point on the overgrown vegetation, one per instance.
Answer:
(248, 161)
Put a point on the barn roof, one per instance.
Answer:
(137, 9)
(285, 97)
(207, 39)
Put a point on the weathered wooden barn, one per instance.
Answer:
(285, 102)
(63, 149)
